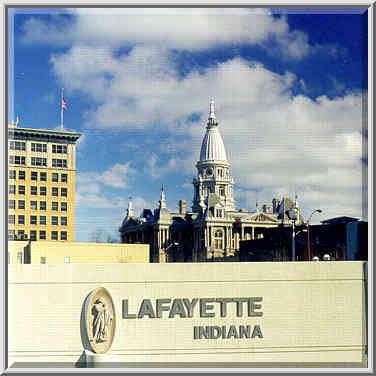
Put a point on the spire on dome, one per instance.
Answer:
(162, 201)
(130, 208)
(212, 109)
(212, 119)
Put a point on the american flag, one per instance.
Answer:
(63, 104)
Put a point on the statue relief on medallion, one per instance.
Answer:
(100, 320)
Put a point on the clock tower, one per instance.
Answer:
(213, 170)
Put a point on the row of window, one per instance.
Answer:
(41, 148)
(34, 205)
(34, 220)
(59, 163)
(37, 161)
(38, 147)
(16, 145)
(16, 159)
(42, 234)
(42, 176)
(34, 190)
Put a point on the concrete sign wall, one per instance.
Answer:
(212, 313)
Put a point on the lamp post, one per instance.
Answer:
(169, 246)
(293, 216)
(308, 239)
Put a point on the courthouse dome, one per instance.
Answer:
(212, 148)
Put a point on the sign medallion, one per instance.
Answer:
(100, 320)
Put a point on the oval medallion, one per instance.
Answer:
(100, 320)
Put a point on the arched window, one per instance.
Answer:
(218, 239)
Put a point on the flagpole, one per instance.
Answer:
(62, 110)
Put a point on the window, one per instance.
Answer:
(61, 149)
(43, 191)
(59, 163)
(41, 148)
(16, 145)
(55, 191)
(36, 161)
(42, 235)
(53, 235)
(21, 189)
(33, 219)
(33, 235)
(63, 236)
(34, 175)
(21, 175)
(54, 220)
(43, 259)
(218, 241)
(11, 219)
(21, 204)
(55, 177)
(42, 205)
(43, 176)
(12, 204)
(64, 192)
(19, 257)
(16, 159)
(11, 235)
(64, 178)
(33, 205)
(64, 221)
(33, 190)
(63, 206)
(12, 174)
(21, 219)
(42, 220)
(12, 189)
(222, 190)
(55, 205)
(20, 234)
(219, 213)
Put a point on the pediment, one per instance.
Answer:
(262, 217)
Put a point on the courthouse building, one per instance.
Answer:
(214, 227)
(41, 178)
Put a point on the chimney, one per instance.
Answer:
(182, 207)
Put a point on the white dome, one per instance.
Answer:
(213, 148)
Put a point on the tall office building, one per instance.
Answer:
(41, 183)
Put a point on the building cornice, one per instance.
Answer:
(48, 134)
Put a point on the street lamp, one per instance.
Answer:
(293, 216)
(308, 240)
(169, 246)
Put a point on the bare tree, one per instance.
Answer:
(100, 235)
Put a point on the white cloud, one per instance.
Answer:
(91, 186)
(174, 28)
(277, 142)
(117, 175)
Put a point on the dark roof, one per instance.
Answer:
(339, 220)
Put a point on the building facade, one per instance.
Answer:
(41, 183)
(52, 252)
(214, 227)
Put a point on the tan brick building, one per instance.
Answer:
(41, 183)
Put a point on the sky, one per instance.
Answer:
(289, 88)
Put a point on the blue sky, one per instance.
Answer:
(287, 84)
